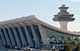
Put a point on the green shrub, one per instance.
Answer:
(67, 47)
(74, 42)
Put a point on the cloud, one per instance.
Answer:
(74, 0)
(74, 26)
(59, 3)
(76, 15)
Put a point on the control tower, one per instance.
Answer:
(63, 17)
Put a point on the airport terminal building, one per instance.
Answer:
(30, 31)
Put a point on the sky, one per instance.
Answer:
(42, 9)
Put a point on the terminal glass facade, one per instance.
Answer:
(20, 36)
(59, 37)
(30, 35)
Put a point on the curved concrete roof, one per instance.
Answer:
(32, 19)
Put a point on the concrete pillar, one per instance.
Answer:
(37, 43)
(1, 42)
(21, 36)
(63, 25)
(3, 39)
(28, 36)
(7, 38)
(16, 37)
(11, 37)
(44, 36)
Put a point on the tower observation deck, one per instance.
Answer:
(63, 17)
